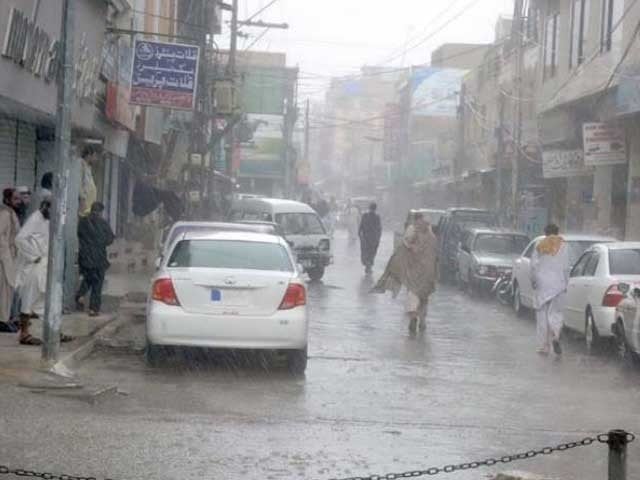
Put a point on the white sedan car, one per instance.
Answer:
(522, 290)
(593, 293)
(236, 290)
(627, 326)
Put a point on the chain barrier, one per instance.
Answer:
(488, 462)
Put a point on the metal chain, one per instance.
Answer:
(602, 438)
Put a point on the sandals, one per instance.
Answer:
(30, 340)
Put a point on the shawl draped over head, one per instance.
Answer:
(413, 264)
(550, 245)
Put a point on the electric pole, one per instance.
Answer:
(56, 261)
(306, 132)
(500, 153)
(517, 133)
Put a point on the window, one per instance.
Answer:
(624, 262)
(612, 12)
(591, 266)
(579, 31)
(300, 224)
(578, 269)
(529, 251)
(500, 244)
(551, 40)
(230, 254)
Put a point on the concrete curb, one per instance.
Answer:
(71, 359)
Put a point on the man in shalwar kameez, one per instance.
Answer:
(549, 279)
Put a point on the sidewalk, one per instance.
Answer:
(21, 364)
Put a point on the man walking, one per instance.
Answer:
(413, 265)
(9, 227)
(25, 203)
(549, 279)
(94, 235)
(370, 232)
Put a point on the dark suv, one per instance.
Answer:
(450, 229)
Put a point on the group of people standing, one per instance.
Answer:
(414, 266)
(24, 251)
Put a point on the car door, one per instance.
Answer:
(576, 292)
(521, 273)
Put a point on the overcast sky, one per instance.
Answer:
(337, 37)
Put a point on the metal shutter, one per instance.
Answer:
(7, 152)
(26, 171)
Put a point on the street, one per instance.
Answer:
(374, 400)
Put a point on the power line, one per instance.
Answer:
(257, 39)
(435, 32)
(401, 49)
(260, 11)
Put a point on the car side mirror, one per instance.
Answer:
(158, 262)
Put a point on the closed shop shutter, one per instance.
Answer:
(7, 152)
(17, 153)
(26, 171)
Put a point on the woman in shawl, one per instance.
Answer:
(414, 266)
(549, 279)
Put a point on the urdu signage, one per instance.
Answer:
(30, 46)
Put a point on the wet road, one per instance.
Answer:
(374, 400)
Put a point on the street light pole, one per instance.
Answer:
(56, 260)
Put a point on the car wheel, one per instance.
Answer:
(591, 335)
(517, 300)
(154, 355)
(297, 361)
(316, 273)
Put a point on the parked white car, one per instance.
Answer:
(593, 294)
(236, 290)
(626, 330)
(522, 290)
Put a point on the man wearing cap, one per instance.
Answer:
(94, 236)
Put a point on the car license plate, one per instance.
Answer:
(216, 295)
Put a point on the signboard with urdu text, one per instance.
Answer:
(603, 144)
(164, 74)
(563, 163)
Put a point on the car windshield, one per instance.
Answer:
(230, 254)
(500, 244)
(300, 224)
(624, 262)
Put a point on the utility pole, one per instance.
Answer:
(61, 200)
(231, 73)
(500, 153)
(306, 132)
(517, 133)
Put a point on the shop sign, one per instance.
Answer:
(164, 74)
(563, 163)
(603, 144)
(30, 46)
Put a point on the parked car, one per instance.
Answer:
(484, 255)
(626, 329)
(431, 215)
(449, 230)
(522, 290)
(236, 290)
(174, 231)
(300, 224)
(593, 294)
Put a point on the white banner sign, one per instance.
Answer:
(563, 163)
(603, 144)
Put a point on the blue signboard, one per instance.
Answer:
(164, 74)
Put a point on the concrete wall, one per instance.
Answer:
(571, 83)
(19, 87)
